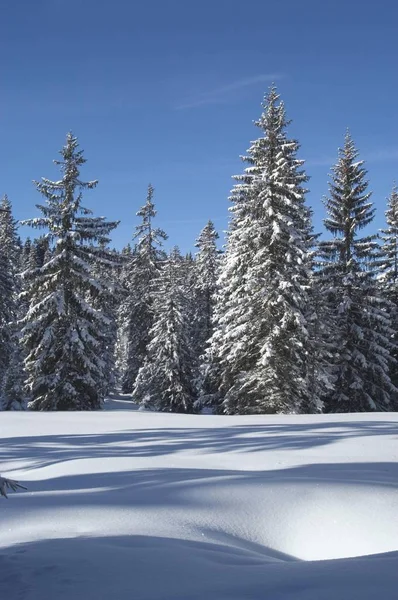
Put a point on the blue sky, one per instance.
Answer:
(165, 91)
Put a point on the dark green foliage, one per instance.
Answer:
(64, 331)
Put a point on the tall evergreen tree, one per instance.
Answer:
(6, 289)
(11, 361)
(142, 271)
(388, 270)
(165, 381)
(321, 327)
(258, 349)
(63, 331)
(206, 275)
(389, 250)
(362, 336)
(106, 301)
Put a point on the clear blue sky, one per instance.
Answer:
(165, 91)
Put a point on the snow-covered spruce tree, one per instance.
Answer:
(121, 346)
(165, 381)
(107, 300)
(258, 349)
(206, 275)
(388, 274)
(321, 327)
(142, 270)
(13, 391)
(11, 361)
(63, 331)
(7, 300)
(362, 339)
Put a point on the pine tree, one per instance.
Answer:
(63, 331)
(388, 280)
(106, 301)
(206, 276)
(258, 349)
(362, 336)
(13, 391)
(321, 328)
(122, 313)
(6, 290)
(142, 270)
(165, 381)
(11, 360)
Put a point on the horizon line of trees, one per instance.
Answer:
(279, 322)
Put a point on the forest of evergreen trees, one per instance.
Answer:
(279, 321)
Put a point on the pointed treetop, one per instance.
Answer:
(273, 117)
(348, 206)
(148, 209)
(72, 159)
(148, 237)
(392, 208)
(5, 204)
(207, 236)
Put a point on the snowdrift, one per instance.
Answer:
(160, 506)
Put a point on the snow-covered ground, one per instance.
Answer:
(127, 504)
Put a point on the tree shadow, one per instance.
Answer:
(142, 486)
(270, 516)
(139, 442)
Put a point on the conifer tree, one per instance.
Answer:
(122, 313)
(63, 331)
(206, 276)
(321, 329)
(362, 336)
(258, 349)
(142, 270)
(13, 391)
(6, 289)
(11, 361)
(106, 301)
(165, 381)
(388, 280)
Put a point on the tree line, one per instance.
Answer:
(279, 321)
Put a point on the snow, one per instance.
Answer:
(125, 503)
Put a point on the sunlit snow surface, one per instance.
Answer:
(129, 504)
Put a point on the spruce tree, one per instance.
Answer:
(362, 336)
(6, 291)
(206, 276)
(13, 390)
(389, 248)
(166, 381)
(388, 279)
(63, 330)
(106, 301)
(11, 360)
(142, 270)
(321, 328)
(258, 349)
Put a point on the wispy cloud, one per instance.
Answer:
(221, 94)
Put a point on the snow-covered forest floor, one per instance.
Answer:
(130, 504)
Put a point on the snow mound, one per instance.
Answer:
(168, 506)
